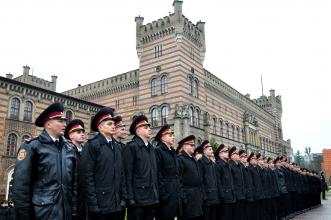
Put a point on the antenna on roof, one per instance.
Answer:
(262, 85)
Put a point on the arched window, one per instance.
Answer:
(197, 118)
(190, 85)
(195, 88)
(238, 134)
(232, 128)
(191, 116)
(14, 108)
(221, 125)
(214, 125)
(11, 145)
(27, 111)
(24, 138)
(154, 87)
(154, 117)
(164, 114)
(164, 84)
(227, 130)
(69, 115)
(243, 135)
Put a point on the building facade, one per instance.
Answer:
(326, 165)
(171, 86)
(22, 99)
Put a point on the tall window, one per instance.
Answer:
(27, 111)
(214, 125)
(135, 100)
(238, 134)
(164, 114)
(195, 88)
(69, 115)
(221, 125)
(227, 130)
(192, 53)
(154, 117)
(191, 116)
(154, 87)
(243, 135)
(158, 50)
(190, 85)
(164, 84)
(11, 145)
(14, 108)
(232, 128)
(197, 118)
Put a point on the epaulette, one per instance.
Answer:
(28, 141)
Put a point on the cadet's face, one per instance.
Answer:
(168, 139)
(121, 132)
(189, 148)
(144, 132)
(107, 128)
(224, 154)
(78, 136)
(235, 156)
(56, 127)
(243, 159)
(208, 152)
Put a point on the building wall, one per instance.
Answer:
(326, 167)
(24, 127)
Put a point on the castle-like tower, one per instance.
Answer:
(171, 86)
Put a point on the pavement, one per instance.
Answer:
(321, 213)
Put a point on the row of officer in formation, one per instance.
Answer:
(107, 179)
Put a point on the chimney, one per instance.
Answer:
(9, 75)
(272, 92)
(248, 96)
(26, 70)
(54, 78)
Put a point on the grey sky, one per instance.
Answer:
(287, 41)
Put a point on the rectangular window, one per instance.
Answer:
(158, 50)
(192, 53)
(135, 100)
(117, 103)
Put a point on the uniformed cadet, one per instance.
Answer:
(120, 131)
(192, 191)
(257, 186)
(282, 187)
(141, 172)
(238, 183)
(75, 133)
(225, 184)
(44, 177)
(168, 175)
(103, 171)
(120, 134)
(248, 182)
(209, 180)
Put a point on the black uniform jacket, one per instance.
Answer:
(225, 182)
(238, 180)
(45, 180)
(209, 180)
(140, 173)
(103, 175)
(192, 191)
(249, 185)
(168, 181)
(257, 183)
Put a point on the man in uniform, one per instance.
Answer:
(225, 183)
(141, 172)
(75, 132)
(238, 182)
(103, 171)
(192, 191)
(168, 175)
(44, 177)
(209, 181)
(120, 131)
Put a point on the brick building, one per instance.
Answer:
(171, 86)
(326, 165)
(22, 99)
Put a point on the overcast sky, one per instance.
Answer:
(287, 41)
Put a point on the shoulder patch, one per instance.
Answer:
(27, 141)
(22, 154)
